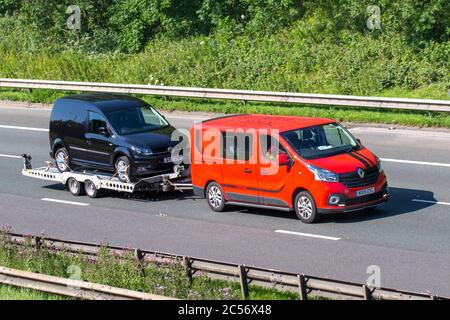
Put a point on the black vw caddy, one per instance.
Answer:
(113, 133)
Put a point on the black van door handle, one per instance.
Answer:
(248, 171)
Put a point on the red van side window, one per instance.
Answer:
(237, 146)
(270, 147)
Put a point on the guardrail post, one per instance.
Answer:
(302, 287)
(139, 256)
(367, 293)
(244, 281)
(188, 265)
(38, 242)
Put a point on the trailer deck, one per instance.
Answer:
(95, 181)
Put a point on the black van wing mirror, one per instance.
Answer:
(103, 131)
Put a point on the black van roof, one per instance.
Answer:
(103, 101)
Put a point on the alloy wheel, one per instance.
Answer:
(122, 170)
(61, 161)
(305, 208)
(215, 196)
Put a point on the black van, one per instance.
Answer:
(109, 132)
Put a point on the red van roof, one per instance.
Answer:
(261, 121)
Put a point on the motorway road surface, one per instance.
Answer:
(408, 238)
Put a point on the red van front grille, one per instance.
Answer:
(353, 180)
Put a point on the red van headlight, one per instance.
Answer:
(323, 174)
(379, 166)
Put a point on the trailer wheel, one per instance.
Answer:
(91, 189)
(215, 197)
(74, 186)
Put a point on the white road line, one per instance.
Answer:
(9, 156)
(308, 235)
(437, 164)
(433, 202)
(66, 202)
(186, 117)
(23, 128)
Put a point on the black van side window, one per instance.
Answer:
(96, 121)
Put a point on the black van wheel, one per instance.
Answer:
(123, 169)
(305, 207)
(215, 197)
(62, 160)
(75, 187)
(91, 190)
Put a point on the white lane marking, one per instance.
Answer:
(187, 117)
(23, 128)
(308, 235)
(433, 202)
(9, 156)
(437, 164)
(442, 135)
(66, 202)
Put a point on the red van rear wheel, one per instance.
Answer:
(215, 197)
(305, 207)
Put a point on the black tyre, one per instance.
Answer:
(91, 190)
(75, 187)
(215, 197)
(62, 160)
(123, 169)
(305, 207)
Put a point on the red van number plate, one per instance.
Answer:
(365, 192)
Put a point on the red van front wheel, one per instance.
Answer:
(305, 207)
(215, 197)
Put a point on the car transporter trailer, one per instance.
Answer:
(93, 181)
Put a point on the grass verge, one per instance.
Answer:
(342, 114)
(122, 271)
(14, 293)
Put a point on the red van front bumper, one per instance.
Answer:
(348, 199)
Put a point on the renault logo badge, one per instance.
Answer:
(361, 173)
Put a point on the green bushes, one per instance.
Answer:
(281, 45)
(286, 61)
(128, 25)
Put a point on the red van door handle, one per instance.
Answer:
(248, 171)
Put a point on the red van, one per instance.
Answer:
(311, 165)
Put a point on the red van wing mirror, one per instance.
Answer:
(283, 159)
